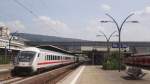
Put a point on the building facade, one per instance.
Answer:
(9, 42)
(4, 32)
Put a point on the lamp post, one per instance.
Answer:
(119, 28)
(9, 42)
(107, 40)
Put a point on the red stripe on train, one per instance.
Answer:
(51, 62)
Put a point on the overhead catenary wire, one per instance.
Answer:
(26, 8)
(30, 11)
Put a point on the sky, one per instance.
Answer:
(77, 18)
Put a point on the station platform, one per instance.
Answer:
(87, 74)
(5, 67)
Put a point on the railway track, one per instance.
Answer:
(49, 77)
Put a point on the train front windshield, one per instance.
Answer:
(26, 56)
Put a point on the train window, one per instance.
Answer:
(52, 57)
(49, 57)
(55, 57)
(45, 57)
(58, 57)
(39, 55)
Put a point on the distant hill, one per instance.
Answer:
(45, 38)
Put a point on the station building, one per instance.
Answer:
(8, 44)
(93, 49)
(97, 49)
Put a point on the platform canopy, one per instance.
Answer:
(54, 48)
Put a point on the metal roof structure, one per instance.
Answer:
(54, 48)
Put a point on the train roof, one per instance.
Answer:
(142, 54)
(31, 49)
(54, 48)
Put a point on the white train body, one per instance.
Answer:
(32, 59)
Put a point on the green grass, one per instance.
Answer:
(4, 59)
(112, 63)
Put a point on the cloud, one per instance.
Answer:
(15, 25)
(105, 7)
(139, 31)
(130, 31)
(47, 21)
(48, 26)
(94, 27)
(146, 10)
(2, 24)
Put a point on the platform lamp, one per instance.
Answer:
(107, 40)
(119, 28)
(9, 43)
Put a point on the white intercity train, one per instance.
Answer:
(33, 59)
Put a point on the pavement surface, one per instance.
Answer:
(95, 75)
(5, 67)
